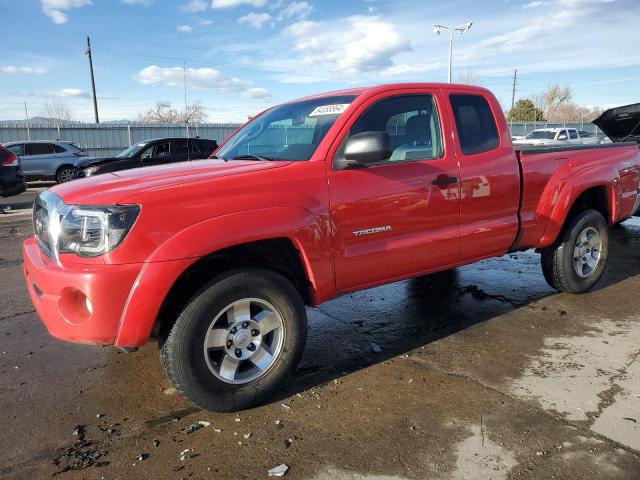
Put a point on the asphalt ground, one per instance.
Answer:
(483, 372)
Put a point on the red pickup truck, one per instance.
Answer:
(311, 199)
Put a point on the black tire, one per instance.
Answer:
(558, 259)
(182, 351)
(66, 173)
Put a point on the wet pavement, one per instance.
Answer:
(479, 373)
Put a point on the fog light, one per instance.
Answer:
(75, 306)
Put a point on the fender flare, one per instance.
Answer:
(169, 261)
(598, 176)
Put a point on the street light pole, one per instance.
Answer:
(460, 29)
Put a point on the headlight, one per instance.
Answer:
(87, 231)
(93, 231)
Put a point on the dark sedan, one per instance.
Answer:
(11, 177)
(149, 152)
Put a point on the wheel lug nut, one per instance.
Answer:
(251, 347)
(245, 324)
(234, 330)
(255, 332)
(229, 344)
(238, 352)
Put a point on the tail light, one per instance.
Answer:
(80, 154)
(10, 160)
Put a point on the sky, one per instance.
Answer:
(243, 55)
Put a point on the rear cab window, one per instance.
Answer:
(573, 134)
(475, 123)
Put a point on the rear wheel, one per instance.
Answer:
(66, 173)
(237, 341)
(577, 260)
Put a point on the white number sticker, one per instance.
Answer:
(329, 109)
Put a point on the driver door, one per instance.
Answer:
(397, 218)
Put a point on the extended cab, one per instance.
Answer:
(310, 199)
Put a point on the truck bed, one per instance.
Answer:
(546, 171)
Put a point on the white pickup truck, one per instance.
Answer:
(553, 136)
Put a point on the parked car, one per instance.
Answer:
(47, 160)
(550, 136)
(219, 258)
(11, 178)
(148, 153)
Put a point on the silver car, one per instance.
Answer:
(47, 160)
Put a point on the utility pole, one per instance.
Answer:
(93, 81)
(186, 105)
(26, 117)
(513, 91)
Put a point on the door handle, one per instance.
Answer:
(444, 180)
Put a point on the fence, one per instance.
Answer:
(109, 139)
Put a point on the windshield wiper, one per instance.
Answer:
(253, 157)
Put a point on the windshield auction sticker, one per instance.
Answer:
(329, 109)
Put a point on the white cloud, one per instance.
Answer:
(12, 70)
(534, 4)
(236, 3)
(72, 92)
(353, 45)
(199, 79)
(255, 20)
(56, 9)
(296, 10)
(194, 6)
(185, 28)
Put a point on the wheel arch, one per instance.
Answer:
(299, 251)
(594, 188)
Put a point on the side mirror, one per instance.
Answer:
(562, 137)
(368, 147)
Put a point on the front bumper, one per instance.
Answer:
(78, 303)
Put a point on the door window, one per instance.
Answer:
(411, 123)
(158, 150)
(17, 149)
(58, 149)
(181, 148)
(476, 126)
(573, 134)
(39, 149)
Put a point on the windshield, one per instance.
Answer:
(291, 131)
(541, 135)
(131, 151)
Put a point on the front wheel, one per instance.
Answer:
(237, 341)
(577, 260)
(66, 174)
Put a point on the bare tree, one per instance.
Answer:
(57, 110)
(469, 77)
(553, 99)
(163, 112)
(194, 113)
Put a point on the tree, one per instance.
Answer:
(57, 110)
(525, 111)
(163, 112)
(469, 77)
(552, 100)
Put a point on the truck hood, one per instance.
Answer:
(112, 188)
(621, 124)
